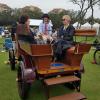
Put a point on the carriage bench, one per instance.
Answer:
(75, 53)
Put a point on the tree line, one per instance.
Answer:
(11, 16)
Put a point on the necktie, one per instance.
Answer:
(45, 29)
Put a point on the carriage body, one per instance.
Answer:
(36, 61)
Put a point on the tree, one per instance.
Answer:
(32, 11)
(7, 17)
(96, 20)
(56, 16)
(84, 5)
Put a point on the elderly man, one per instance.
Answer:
(65, 38)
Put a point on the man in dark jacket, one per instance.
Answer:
(65, 37)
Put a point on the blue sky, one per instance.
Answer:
(47, 5)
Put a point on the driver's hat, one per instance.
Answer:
(45, 16)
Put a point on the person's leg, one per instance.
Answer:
(63, 54)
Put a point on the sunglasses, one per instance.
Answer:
(63, 19)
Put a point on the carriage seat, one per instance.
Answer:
(74, 54)
(85, 32)
(80, 48)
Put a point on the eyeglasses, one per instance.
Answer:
(63, 19)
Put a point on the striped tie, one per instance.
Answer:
(45, 29)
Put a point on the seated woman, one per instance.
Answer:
(45, 29)
(23, 30)
(24, 33)
(65, 38)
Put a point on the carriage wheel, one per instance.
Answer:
(97, 57)
(23, 87)
(12, 59)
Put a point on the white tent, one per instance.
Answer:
(97, 27)
(36, 22)
(86, 25)
(75, 25)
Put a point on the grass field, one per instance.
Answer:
(90, 85)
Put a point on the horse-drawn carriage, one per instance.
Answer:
(35, 63)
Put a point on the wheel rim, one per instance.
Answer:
(21, 84)
(21, 89)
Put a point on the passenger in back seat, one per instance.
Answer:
(24, 31)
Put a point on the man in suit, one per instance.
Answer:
(65, 37)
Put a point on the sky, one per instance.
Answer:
(47, 5)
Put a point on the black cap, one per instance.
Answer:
(45, 16)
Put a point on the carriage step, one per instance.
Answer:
(71, 96)
(60, 80)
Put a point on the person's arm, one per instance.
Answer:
(72, 31)
(41, 28)
(50, 29)
(32, 32)
(60, 33)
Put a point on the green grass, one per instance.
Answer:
(91, 78)
(1, 42)
(88, 40)
(8, 88)
(90, 85)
